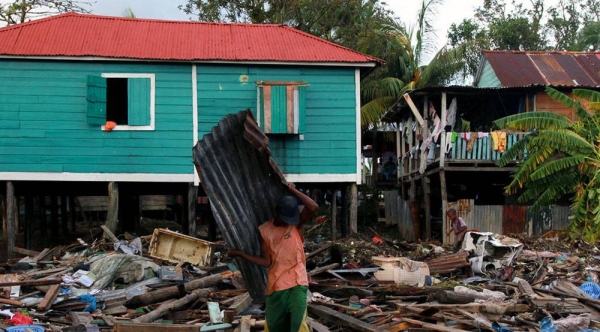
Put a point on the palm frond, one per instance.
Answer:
(555, 166)
(385, 87)
(589, 95)
(514, 151)
(562, 140)
(371, 112)
(533, 120)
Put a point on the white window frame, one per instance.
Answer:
(152, 78)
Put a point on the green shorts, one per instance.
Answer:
(286, 310)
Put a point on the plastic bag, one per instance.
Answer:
(92, 303)
(20, 319)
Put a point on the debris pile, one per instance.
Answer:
(143, 283)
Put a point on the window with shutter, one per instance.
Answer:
(281, 107)
(125, 99)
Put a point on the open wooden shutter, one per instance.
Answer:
(138, 101)
(96, 100)
(282, 108)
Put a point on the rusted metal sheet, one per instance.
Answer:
(529, 68)
(513, 219)
(243, 183)
(448, 263)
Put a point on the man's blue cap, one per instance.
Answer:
(287, 207)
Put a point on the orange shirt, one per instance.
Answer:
(288, 261)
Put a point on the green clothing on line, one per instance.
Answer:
(286, 310)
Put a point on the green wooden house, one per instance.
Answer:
(67, 79)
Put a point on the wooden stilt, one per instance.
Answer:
(10, 215)
(54, 217)
(28, 221)
(72, 213)
(64, 219)
(17, 216)
(3, 212)
(344, 214)
(43, 219)
(353, 208)
(137, 212)
(112, 216)
(334, 216)
(444, 203)
(427, 201)
(192, 199)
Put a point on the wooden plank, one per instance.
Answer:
(267, 112)
(341, 319)
(432, 327)
(241, 304)
(25, 252)
(108, 234)
(49, 298)
(31, 282)
(318, 251)
(322, 269)
(289, 95)
(148, 327)
(112, 217)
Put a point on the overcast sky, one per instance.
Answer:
(451, 11)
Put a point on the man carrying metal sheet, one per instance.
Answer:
(282, 252)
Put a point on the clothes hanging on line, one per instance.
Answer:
(499, 140)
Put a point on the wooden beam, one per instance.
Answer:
(172, 291)
(49, 298)
(241, 304)
(337, 317)
(414, 109)
(443, 125)
(318, 251)
(108, 234)
(322, 269)
(431, 327)
(334, 216)
(31, 282)
(427, 200)
(353, 208)
(28, 221)
(112, 216)
(10, 218)
(192, 198)
(174, 305)
(444, 205)
(25, 252)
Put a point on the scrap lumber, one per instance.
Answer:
(318, 251)
(175, 305)
(30, 282)
(173, 291)
(49, 298)
(322, 269)
(340, 318)
(138, 327)
(26, 252)
(41, 255)
(241, 304)
(432, 327)
(108, 234)
(448, 297)
(15, 303)
(316, 326)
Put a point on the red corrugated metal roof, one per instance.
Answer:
(518, 68)
(79, 35)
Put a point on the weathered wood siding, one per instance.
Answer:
(329, 145)
(43, 121)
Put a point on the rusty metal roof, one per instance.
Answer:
(80, 35)
(243, 183)
(566, 69)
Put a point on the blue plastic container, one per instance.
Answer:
(25, 328)
(592, 289)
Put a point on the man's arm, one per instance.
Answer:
(263, 260)
(310, 206)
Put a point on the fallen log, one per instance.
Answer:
(452, 297)
(172, 291)
(175, 305)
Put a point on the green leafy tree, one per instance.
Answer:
(20, 11)
(563, 159)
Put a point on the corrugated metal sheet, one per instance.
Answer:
(546, 219)
(117, 37)
(397, 211)
(564, 69)
(243, 184)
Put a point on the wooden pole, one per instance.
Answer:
(443, 125)
(17, 214)
(164, 308)
(72, 213)
(192, 199)
(64, 218)
(353, 208)
(344, 214)
(43, 219)
(334, 216)
(28, 221)
(171, 292)
(10, 215)
(112, 217)
(409, 138)
(137, 212)
(444, 204)
(427, 201)
(54, 217)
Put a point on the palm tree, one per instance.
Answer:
(563, 159)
